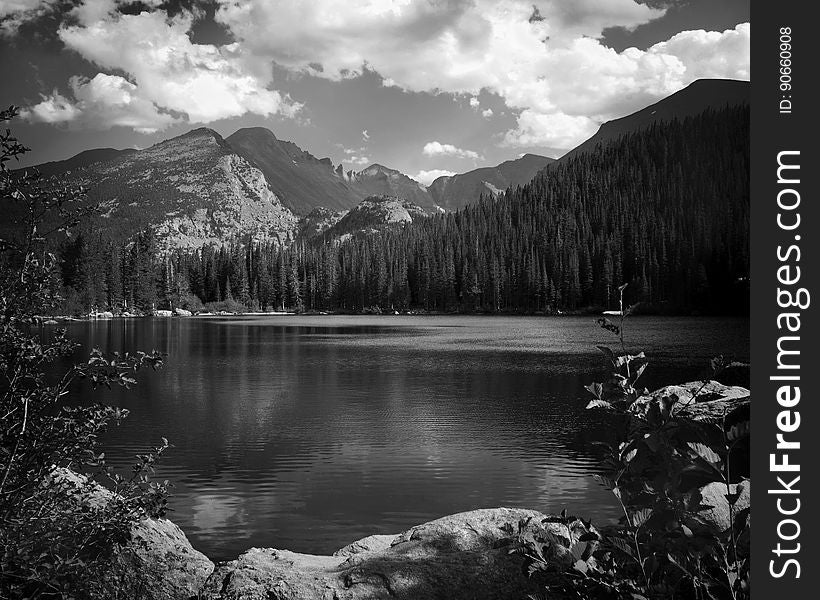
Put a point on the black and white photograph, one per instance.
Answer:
(390, 299)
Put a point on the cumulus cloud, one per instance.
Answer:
(365, 135)
(160, 72)
(520, 50)
(439, 149)
(487, 113)
(358, 160)
(474, 102)
(204, 82)
(99, 103)
(13, 13)
(428, 177)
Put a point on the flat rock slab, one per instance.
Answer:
(462, 556)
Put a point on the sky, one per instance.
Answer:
(428, 87)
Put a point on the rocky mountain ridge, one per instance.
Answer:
(198, 188)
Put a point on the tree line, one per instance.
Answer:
(665, 209)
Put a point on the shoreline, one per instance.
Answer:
(54, 319)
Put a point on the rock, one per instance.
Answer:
(456, 557)
(158, 561)
(369, 544)
(712, 402)
(713, 495)
(162, 562)
(181, 312)
(163, 313)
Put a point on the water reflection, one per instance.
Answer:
(306, 433)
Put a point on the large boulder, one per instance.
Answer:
(701, 401)
(462, 556)
(157, 563)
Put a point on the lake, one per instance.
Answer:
(309, 432)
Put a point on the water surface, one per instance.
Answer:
(307, 433)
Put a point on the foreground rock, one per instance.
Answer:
(456, 557)
(701, 401)
(158, 563)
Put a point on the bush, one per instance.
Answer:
(663, 546)
(230, 305)
(52, 546)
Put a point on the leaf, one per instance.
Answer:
(639, 517)
(578, 549)
(621, 544)
(601, 404)
(580, 566)
(608, 353)
(704, 452)
(738, 431)
(596, 389)
(604, 480)
(628, 456)
(677, 564)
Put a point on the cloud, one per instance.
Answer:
(520, 51)
(365, 135)
(14, 13)
(53, 108)
(487, 113)
(555, 130)
(159, 72)
(474, 102)
(428, 177)
(358, 160)
(100, 103)
(439, 149)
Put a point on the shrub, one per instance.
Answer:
(54, 546)
(663, 547)
(230, 305)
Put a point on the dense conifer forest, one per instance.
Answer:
(665, 209)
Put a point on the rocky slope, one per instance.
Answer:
(378, 180)
(373, 214)
(457, 191)
(305, 182)
(301, 180)
(191, 190)
(318, 221)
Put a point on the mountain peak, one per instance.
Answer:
(695, 98)
(259, 133)
(377, 169)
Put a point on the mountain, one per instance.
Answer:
(377, 180)
(301, 180)
(374, 214)
(190, 190)
(317, 221)
(305, 182)
(697, 97)
(81, 160)
(457, 191)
